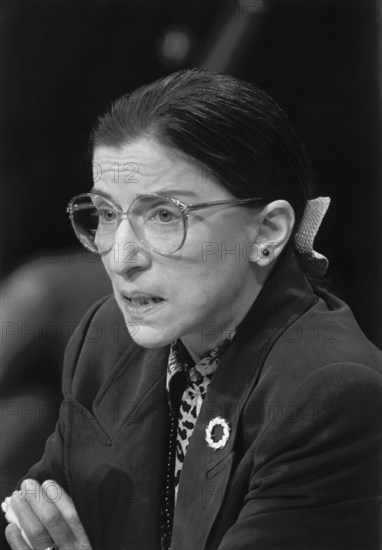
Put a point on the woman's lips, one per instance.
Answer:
(142, 303)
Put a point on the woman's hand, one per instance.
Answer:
(42, 517)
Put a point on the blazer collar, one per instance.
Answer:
(285, 296)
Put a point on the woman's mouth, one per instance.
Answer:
(141, 303)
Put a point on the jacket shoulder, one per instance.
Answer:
(326, 334)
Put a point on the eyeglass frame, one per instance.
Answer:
(184, 208)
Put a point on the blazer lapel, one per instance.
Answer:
(206, 472)
(124, 393)
(129, 420)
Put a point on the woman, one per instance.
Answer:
(242, 406)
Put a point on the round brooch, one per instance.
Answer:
(211, 433)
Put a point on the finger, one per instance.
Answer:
(14, 537)
(54, 526)
(68, 511)
(34, 530)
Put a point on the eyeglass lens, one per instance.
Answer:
(156, 221)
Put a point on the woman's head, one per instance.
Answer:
(233, 129)
(197, 137)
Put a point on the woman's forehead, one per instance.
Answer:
(146, 157)
(148, 167)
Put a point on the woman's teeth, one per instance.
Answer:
(143, 300)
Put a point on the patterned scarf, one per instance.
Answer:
(186, 385)
(199, 376)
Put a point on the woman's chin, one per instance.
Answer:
(147, 337)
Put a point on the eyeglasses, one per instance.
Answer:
(159, 222)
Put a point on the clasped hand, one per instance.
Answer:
(43, 517)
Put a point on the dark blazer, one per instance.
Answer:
(301, 387)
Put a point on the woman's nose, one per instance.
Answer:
(128, 252)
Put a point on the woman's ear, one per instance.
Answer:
(275, 224)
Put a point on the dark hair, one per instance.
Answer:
(233, 128)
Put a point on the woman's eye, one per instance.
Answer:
(163, 216)
(106, 214)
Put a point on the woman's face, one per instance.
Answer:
(198, 293)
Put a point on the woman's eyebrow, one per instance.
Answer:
(172, 192)
(96, 191)
(166, 192)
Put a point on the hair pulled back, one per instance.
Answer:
(234, 129)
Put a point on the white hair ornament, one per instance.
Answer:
(315, 210)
